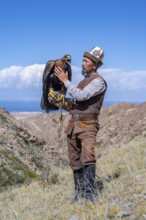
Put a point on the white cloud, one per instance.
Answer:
(8, 75)
(28, 80)
(21, 77)
(31, 76)
(119, 80)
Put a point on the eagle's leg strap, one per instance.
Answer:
(61, 98)
(51, 93)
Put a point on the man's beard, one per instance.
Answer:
(83, 73)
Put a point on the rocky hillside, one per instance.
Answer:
(30, 142)
(119, 124)
(22, 156)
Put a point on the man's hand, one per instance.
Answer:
(63, 77)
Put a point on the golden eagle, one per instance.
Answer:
(52, 83)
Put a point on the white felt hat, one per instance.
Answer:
(96, 54)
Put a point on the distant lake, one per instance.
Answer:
(32, 106)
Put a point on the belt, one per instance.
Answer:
(77, 117)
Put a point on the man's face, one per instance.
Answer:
(88, 66)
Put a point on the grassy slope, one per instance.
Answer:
(122, 196)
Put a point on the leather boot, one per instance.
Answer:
(78, 182)
(89, 182)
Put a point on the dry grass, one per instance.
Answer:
(121, 197)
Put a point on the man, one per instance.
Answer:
(83, 125)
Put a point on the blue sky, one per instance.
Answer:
(35, 31)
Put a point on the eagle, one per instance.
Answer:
(50, 81)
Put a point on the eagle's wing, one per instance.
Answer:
(45, 105)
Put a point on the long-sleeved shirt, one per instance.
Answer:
(95, 87)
